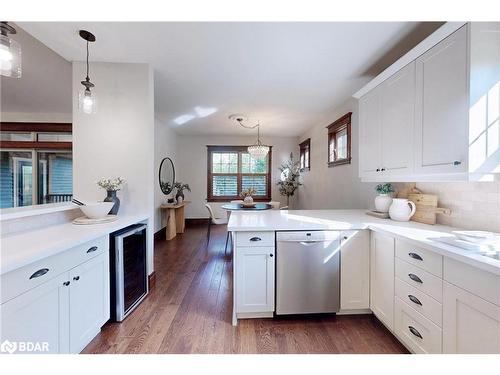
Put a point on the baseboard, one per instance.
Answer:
(161, 234)
(355, 312)
(197, 221)
(152, 280)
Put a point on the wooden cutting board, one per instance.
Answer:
(427, 208)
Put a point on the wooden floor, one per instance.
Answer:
(189, 311)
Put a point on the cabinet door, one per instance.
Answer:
(470, 324)
(441, 113)
(40, 317)
(382, 278)
(89, 300)
(369, 134)
(255, 279)
(355, 270)
(397, 119)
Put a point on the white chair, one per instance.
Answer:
(284, 208)
(237, 201)
(275, 205)
(213, 220)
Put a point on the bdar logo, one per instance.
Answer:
(8, 347)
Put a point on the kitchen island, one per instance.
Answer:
(415, 285)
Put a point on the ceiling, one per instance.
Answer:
(285, 75)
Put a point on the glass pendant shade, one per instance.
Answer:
(87, 101)
(258, 150)
(10, 57)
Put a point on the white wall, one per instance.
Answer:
(191, 166)
(165, 146)
(335, 187)
(118, 140)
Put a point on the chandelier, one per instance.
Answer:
(258, 150)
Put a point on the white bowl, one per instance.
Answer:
(97, 210)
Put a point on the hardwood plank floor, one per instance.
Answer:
(189, 311)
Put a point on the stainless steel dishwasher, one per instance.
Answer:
(307, 272)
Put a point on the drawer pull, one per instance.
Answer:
(415, 278)
(92, 249)
(415, 256)
(39, 273)
(415, 332)
(66, 283)
(76, 278)
(255, 239)
(414, 299)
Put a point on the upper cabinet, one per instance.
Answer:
(434, 114)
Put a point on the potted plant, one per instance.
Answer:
(246, 194)
(384, 199)
(180, 187)
(112, 186)
(289, 181)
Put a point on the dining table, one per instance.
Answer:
(229, 207)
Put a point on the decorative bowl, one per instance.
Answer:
(97, 210)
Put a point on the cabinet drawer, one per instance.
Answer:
(415, 330)
(420, 279)
(23, 279)
(425, 259)
(481, 283)
(255, 239)
(420, 301)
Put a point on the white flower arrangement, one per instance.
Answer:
(111, 184)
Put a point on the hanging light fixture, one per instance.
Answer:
(10, 52)
(86, 98)
(258, 150)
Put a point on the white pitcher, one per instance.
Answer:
(402, 209)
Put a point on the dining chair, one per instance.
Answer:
(284, 208)
(237, 201)
(274, 204)
(217, 221)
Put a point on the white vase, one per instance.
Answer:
(248, 199)
(383, 202)
(401, 209)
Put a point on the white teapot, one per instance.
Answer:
(402, 209)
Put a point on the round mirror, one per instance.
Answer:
(166, 176)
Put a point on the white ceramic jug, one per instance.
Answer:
(401, 209)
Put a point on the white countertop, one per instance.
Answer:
(22, 248)
(420, 234)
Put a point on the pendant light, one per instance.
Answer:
(86, 98)
(10, 52)
(258, 150)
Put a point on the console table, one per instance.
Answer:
(174, 217)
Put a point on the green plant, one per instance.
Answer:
(180, 187)
(289, 182)
(384, 188)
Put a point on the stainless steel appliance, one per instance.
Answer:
(129, 279)
(307, 272)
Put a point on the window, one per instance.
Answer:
(36, 164)
(339, 141)
(305, 152)
(231, 169)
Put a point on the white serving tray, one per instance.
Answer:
(84, 220)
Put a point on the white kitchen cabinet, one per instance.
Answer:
(89, 301)
(370, 134)
(382, 278)
(441, 116)
(355, 270)
(39, 316)
(470, 323)
(254, 279)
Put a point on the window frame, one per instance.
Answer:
(343, 123)
(239, 176)
(304, 147)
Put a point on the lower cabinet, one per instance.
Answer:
(470, 323)
(255, 279)
(355, 270)
(382, 278)
(63, 314)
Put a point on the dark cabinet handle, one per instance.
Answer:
(378, 169)
(39, 273)
(414, 299)
(456, 162)
(271, 255)
(345, 237)
(415, 256)
(76, 278)
(255, 239)
(415, 332)
(383, 169)
(415, 278)
(66, 283)
(92, 249)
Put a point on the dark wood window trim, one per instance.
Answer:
(343, 123)
(239, 149)
(305, 147)
(36, 127)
